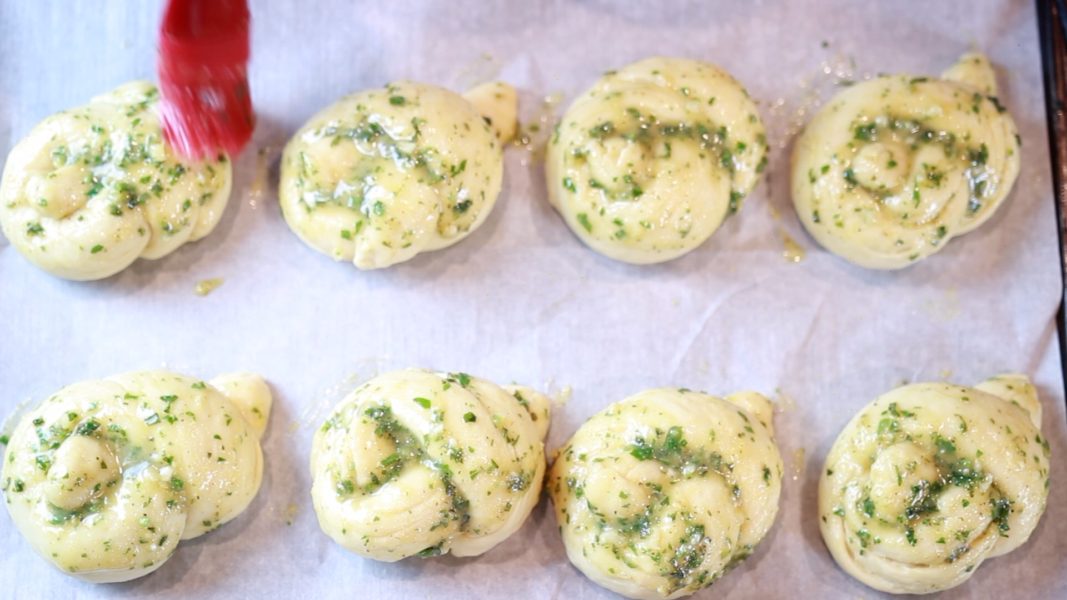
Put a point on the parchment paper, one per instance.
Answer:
(521, 299)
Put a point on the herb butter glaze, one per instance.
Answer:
(416, 463)
(105, 477)
(661, 494)
(645, 165)
(893, 168)
(931, 479)
(385, 174)
(93, 188)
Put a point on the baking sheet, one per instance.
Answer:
(521, 299)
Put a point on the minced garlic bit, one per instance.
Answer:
(206, 286)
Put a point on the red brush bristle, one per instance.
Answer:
(206, 106)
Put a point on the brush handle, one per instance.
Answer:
(203, 33)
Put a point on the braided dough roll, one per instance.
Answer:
(105, 477)
(646, 164)
(421, 463)
(931, 479)
(385, 174)
(893, 168)
(93, 188)
(661, 494)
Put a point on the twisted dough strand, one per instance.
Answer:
(421, 463)
(105, 477)
(382, 175)
(893, 168)
(661, 494)
(647, 163)
(91, 189)
(931, 479)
